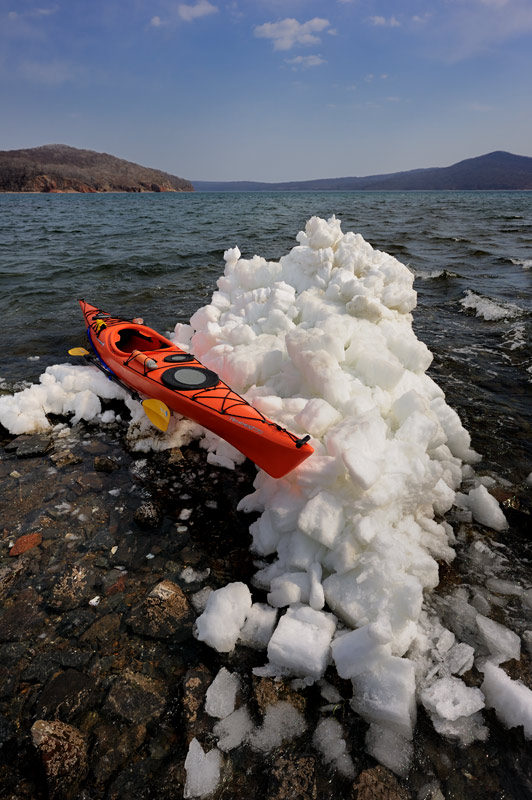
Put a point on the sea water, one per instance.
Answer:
(159, 256)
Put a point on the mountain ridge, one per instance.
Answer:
(498, 170)
(61, 168)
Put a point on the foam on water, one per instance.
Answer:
(489, 309)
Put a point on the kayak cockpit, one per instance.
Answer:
(130, 339)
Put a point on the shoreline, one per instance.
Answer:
(95, 541)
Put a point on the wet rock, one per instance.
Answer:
(268, 692)
(104, 629)
(73, 589)
(90, 482)
(165, 612)
(23, 620)
(7, 730)
(134, 781)
(113, 748)
(195, 684)
(136, 698)
(149, 515)
(293, 777)
(25, 543)
(63, 752)
(30, 446)
(66, 696)
(45, 664)
(105, 464)
(114, 583)
(65, 458)
(378, 783)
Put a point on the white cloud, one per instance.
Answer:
(201, 9)
(385, 22)
(304, 62)
(156, 22)
(286, 33)
(33, 12)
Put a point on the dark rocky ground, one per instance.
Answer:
(101, 680)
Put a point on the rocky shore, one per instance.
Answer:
(106, 557)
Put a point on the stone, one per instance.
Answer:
(25, 543)
(23, 620)
(66, 696)
(293, 777)
(149, 515)
(103, 630)
(63, 752)
(378, 783)
(31, 446)
(7, 730)
(136, 698)
(105, 464)
(65, 458)
(113, 748)
(195, 685)
(165, 612)
(72, 589)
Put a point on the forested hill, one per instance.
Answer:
(498, 170)
(60, 168)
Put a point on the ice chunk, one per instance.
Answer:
(317, 417)
(329, 740)
(203, 770)
(221, 694)
(484, 507)
(390, 748)
(386, 695)
(233, 730)
(316, 594)
(322, 518)
(502, 643)
(359, 650)
(281, 723)
(301, 641)
(225, 613)
(259, 626)
(504, 587)
(291, 587)
(459, 658)
(450, 698)
(464, 730)
(512, 700)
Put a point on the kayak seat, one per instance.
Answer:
(131, 339)
(189, 378)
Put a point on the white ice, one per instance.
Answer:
(512, 700)
(329, 740)
(224, 616)
(202, 770)
(221, 694)
(281, 722)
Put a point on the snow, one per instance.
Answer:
(202, 769)
(329, 740)
(233, 730)
(450, 699)
(221, 694)
(281, 722)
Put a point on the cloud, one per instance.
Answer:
(286, 33)
(476, 26)
(304, 62)
(33, 12)
(156, 22)
(201, 9)
(384, 22)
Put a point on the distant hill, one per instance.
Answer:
(59, 168)
(498, 170)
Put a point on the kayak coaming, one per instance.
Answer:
(214, 406)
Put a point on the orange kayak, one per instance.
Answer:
(155, 367)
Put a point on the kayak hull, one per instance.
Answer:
(153, 366)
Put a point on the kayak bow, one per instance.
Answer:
(156, 368)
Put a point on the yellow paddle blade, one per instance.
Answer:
(157, 412)
(78, 351)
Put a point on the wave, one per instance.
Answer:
(489, 309)
(436, 274)
(526, 263)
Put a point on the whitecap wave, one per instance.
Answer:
(489, 309)
(526, 263)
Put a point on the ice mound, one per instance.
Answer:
(322, 342)
(512, 700)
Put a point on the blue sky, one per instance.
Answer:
(269, 89)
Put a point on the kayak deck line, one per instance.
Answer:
(149, 364)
